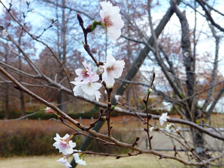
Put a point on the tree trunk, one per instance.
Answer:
(22, 104)
(192, 112)
(62, 56)
(21, 97)
(6, 107)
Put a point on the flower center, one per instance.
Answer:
(109, 69)
(85, 73)
(107, 21)
(65, 143)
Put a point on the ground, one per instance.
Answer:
(142, 161)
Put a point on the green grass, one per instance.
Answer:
(92, 162)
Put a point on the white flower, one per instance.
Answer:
(65, 144)
(87, 90)
(111, 19)
(86, 84)
(163, 118)
(151, 129)
(117, 97)
(78, 159)
(86, 75)
(169, 127)
(64, 162)
(112, 69)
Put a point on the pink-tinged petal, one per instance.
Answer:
(106, 5)
(103, 14)
(64, 145)
(118, 68)
(112, 69)
(77, 90)
(79, 72)
(110, 61)
(64, 162)
(113, 34)
(114, 11)
(86, 75)
(72, 144)
(87, 66)
(94, 78)
(96, 86)
(78, 159)
(111, 18)
(97, 95)
(108, 79)
(87, 90)
(163, 118)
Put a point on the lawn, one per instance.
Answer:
(92, 162)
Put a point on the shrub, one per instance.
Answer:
(46, 116)
(21, 138)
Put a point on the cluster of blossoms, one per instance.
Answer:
(163, 119)
(65, 146)
(87, 84)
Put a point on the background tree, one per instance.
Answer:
(12, 53)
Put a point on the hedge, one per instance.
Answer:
(45, 116)
(21, 138)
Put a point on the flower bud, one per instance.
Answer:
(113, 107)
(149, 90)
(79, 19)
(49, 110)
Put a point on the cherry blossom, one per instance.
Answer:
(151, 129)
(112, 69)
(87, 90)
(112, 19)
(170, 127)
(78, 159)
(117, 97)
(65, 144)
(163, 118)
(64, 162)
(86, 83)
(86, 75)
